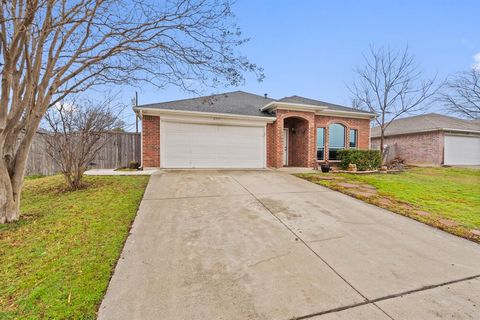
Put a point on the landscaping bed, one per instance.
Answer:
(56, 262)
(446, 198)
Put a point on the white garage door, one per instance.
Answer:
(187, 145)
(462, 150)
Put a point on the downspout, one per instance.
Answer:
(136, 116)
(369, 137)
(141, 140)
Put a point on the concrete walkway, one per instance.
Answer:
(113, 172)
(267, 245)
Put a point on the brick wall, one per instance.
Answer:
(417, 148)
(306, 123)
(298, 132)
(271, 145)
(151, 141)
(302, 143)
(362, 125)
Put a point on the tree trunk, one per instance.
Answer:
(9, 197)
(382, 147)
(12, 173)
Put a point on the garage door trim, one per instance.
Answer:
(210, 121)
(459, 152)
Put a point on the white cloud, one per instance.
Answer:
(476, 61)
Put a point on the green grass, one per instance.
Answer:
(453, 193)
(34, 176)
(56, 262)
(445, 193)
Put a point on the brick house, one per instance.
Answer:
(432, 139)
(244, 130)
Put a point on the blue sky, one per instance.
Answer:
(310, 48)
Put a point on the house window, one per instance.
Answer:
(320, 143)
(336, 140)
(353, 138)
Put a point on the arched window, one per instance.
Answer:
(336, 140)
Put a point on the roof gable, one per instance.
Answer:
(331, 106)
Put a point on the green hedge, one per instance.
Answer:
(364, 159)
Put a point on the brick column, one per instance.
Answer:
(312, 142)
(270, 145)
(151, 141)
(278, 126)
(278, 142)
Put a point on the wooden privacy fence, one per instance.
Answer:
(119, 150)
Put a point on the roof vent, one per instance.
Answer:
(266, 95)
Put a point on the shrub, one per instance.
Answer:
(364, 159)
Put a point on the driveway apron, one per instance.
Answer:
(218, 244)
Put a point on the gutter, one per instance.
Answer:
(291, 106)
(356, 114)
(157, 111)
(320, 110)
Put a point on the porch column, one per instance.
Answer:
(312, 142)
(278, 141)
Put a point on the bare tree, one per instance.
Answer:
(75, 133)
(391, 85)
(462, 94)
(52, 48)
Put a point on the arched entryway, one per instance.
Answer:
(295, 142)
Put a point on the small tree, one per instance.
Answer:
(53, 48)
(462, 94)
(391, 85)
(76, 133)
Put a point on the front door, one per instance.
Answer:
(285, 147)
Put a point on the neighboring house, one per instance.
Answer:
(476, 121)
(244, 130)
(432, 139)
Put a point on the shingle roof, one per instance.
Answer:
(238, 102)
(331, 106)
(427, 122)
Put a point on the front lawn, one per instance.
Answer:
(447, 198)
(56, 262)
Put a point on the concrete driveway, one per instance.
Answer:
(267, 245)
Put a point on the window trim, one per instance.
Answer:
(345, 142)
(350, 137)
(324, 143)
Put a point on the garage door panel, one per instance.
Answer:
(462, 150)
(187, 145)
